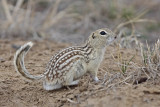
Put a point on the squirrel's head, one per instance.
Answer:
(101, 38)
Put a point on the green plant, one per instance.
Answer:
(125, 64)
(122, 64)
(127, 13)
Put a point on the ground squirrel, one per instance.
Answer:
(65, 68)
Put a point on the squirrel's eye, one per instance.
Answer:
(103, 33)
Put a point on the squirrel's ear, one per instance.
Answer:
(93, 36)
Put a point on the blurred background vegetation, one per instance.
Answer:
(72, 21)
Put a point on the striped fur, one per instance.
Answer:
(64, 59)
(66, 67)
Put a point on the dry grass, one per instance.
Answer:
(125, 66)
(132, 73)
(128, 38)
(23, 19)
(151, 60)
(59, 18)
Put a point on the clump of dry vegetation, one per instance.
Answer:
(131, 72)
(151, 60)
(67, 21)
(25, 18)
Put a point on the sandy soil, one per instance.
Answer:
(16, 91)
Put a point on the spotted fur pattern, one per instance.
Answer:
(66, 67)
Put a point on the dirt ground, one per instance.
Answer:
(15, 91)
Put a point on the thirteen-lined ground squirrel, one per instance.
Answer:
(70, 64)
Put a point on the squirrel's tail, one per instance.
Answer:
(19, 62)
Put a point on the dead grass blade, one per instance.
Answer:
(151, 59)
(7, 11)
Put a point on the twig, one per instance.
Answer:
(28, 12)
(7, 11)
(71, 101)
(51, 14)
(132, 21)
(17, 7)
(120, 81)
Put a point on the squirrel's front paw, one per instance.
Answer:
(96, 79)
